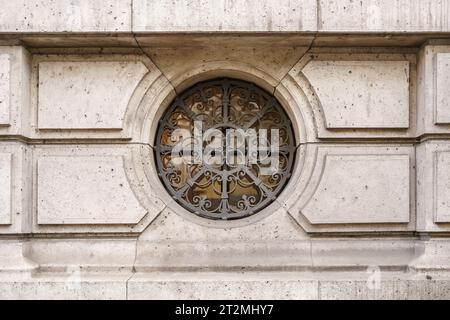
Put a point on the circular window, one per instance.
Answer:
(224, 149)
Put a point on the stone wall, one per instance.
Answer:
(365, 214)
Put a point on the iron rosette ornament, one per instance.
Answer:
(224, 149)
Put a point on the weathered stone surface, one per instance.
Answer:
(184, 66)
(86, 95)
(429, 289)
(222, 15)
(312, 197)
(384, 15)
(359, 94)
(65, 16)
(364, 290)
(91, 254)
(433, 186)
(71, 286)
(85, 190)
(15, 188)
(442, 88)
(5, 188)
(174, 237)
(442, 176)
(83, 213)
(339, 252)
(361, 188)
(14, 89)
(432, 100)
(76, 284)
(245, 285)
(433, 254)
(12, 257)
(5, 69)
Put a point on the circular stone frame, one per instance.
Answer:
(153, 97)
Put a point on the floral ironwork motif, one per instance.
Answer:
(224, 189)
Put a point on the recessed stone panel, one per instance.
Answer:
(14, 89)
(433, 186)
(75, 190)
(443, 88)
(15, 188)
(358, 188)
(5, 188)
(5, 70)
(86, 94)
(442, 185)
(433, 103)
(359, 94)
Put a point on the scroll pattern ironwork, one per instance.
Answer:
(222, 189)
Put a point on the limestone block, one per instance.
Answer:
(222, 15)
(358, 188)
(429, 289)
(15, 188)
(15, 66)
(364, 289)
(5, 188)
(5, 69)
(85, 190)
(359, 94)
(90, 189)
(364, 252)
(443, 88)
(362, 189)
(94, 254)
(174, 237)
(86, 94)
(442, 163)
(433, 186)
(208, 285)
(433, 104)
(433, 254)
(12, 256)
(65, 16)
(72, 285)
(264, 65)
(384, 15)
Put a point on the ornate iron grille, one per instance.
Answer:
(226, 175)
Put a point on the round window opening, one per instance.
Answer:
(224, 149)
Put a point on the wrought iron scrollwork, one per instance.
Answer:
(214, 187)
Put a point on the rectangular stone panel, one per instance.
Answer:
(361, 94)
(224, 15)
(86, 94)
(65, 15)
(74, 190)
(432, 186)
(384, 15)
(5, 188)
(433, 104)
(442, 186)
(442, 88)
(14, 89)
(5, 69)
(361, 189)
(15, 188)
